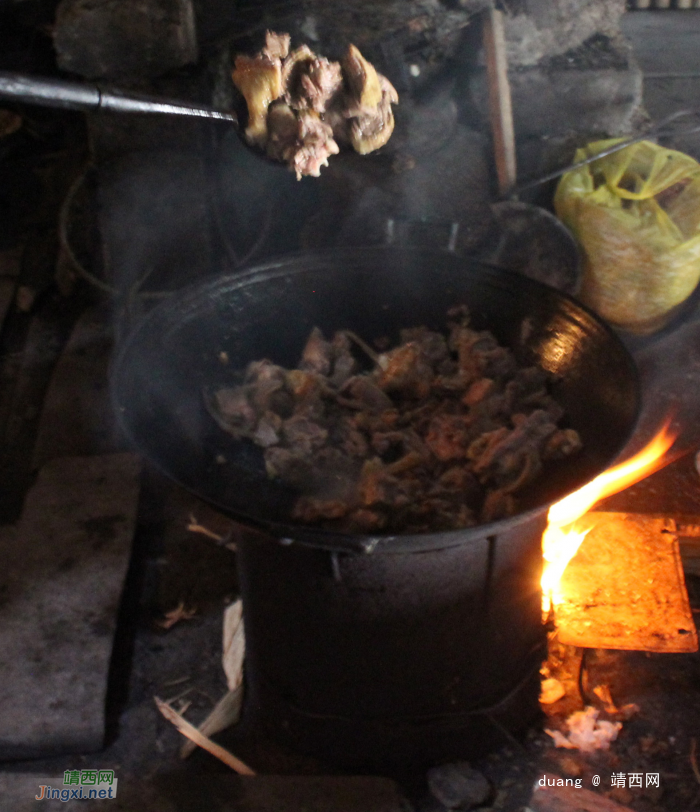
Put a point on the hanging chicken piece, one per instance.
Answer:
(300, 104)
(260, 81)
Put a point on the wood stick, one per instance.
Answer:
(191, 732)
(500, 106)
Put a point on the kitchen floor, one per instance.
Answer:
(180, 575)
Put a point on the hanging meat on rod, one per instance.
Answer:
(301, 106)
(442, 432)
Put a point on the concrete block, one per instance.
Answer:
(599, 92)
(64, 565)
(124, 39)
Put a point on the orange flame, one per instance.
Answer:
(560, 540)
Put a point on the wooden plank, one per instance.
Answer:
(500, 105)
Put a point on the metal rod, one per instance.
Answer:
(655, 130)
(86, 97)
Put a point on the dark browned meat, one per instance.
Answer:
(441, 433)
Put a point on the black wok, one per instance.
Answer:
(267, 312)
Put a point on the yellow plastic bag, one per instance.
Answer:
(636, 216)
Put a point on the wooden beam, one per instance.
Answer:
(500, 106)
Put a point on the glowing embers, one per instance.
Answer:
(624, 588)
(562, 538)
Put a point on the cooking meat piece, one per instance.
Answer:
(303, 435)
(448, 436)
(498, 505)
(276, 45)
(405, 370)
(344, 363)
(372, 129)
(260, 81)
(291, 65)
(463, 432)
(291, 467)
(265, 384)
(562, 444)
(309, 510)
(363, 520)
(506, 456)
(457, 382)
(314, 84)
(379, 486)
(267, 431)
(362, 393)
(393, 445)
(363, 81)
(346, 437)
(315, 145)
(233, 411)
(262, 372)
(283, 131)
(317, 354)
(432, 345)
(299, 102)
(479, 391)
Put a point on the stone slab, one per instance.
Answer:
(123, 39)
(76, 417)
(64, 567)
